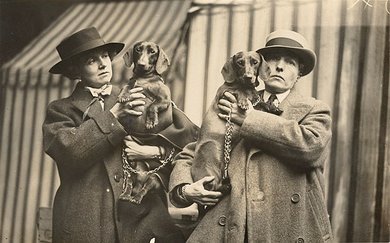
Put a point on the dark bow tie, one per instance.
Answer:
(269, 106)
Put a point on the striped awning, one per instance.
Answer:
(127, 22)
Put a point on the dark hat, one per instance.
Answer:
(293, 42)
(79, 42)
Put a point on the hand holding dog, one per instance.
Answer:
(136, 151)
(196, 192)
(228, 103)
(122, 110)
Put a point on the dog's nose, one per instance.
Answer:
(248, 78)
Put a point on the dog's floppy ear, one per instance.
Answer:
(128, 57)
(162, 63)
(228, 73)
(264, 70)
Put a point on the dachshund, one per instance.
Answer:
(241, 74)
(150, 62)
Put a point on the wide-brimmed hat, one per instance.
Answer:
(79, 42)
(294, 43)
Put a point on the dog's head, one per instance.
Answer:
(148, 58)
(245, 68)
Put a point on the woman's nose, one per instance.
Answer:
(280, 65)
(102, 63)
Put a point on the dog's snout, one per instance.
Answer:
(249, 78)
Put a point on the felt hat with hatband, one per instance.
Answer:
(293, 42)
(80, 42)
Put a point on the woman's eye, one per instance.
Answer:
(90, 61)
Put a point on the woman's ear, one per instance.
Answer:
(72, 71)
(228, 72)
(162, 63)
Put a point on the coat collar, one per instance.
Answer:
(81, 98)
(294, 106)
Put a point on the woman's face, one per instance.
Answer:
(284, 72)
(95, 68)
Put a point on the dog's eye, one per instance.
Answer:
(255, 62)
(240, 62)
(138, 49)
(152, 51)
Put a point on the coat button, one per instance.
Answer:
(261, 196)
(300, 240)
(222, 220)
(117, 178)
(295, 198)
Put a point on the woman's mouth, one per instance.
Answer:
(103, 73)
(277, 76)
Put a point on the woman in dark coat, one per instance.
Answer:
(84, 135)
(276, 169)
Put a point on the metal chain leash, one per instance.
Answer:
(228, 139)
(227, 144)
(127, 169)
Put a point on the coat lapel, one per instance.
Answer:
(295, 106)
(81, 99)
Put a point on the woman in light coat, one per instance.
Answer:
(276, 170)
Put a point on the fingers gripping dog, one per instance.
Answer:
(241, 74)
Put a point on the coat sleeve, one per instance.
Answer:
(300, 142)
(77, 147)
(181, 173)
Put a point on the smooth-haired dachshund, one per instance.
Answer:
(241, 74)
(150, 62)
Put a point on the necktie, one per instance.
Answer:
(271, 105)
(98, 96)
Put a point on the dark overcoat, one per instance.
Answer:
(276, 175)
(88, 157)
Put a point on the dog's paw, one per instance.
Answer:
(137, 199)
(243, 104)
(150, 123)
(125, 197)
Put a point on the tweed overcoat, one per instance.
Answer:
(88, 157)
(276, 175)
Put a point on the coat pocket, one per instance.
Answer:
(320, 214)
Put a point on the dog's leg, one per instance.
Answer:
(162, 101)
(152, 183)
(126, 194)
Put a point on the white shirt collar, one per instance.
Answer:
(104, 90)
(280, 96)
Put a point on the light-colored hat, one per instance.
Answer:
(79, 42)
(293, 42)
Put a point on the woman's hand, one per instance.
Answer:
(132, 107)
(228, 103)
(136, 151)
(196, 192)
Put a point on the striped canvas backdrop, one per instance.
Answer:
(350, 37)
